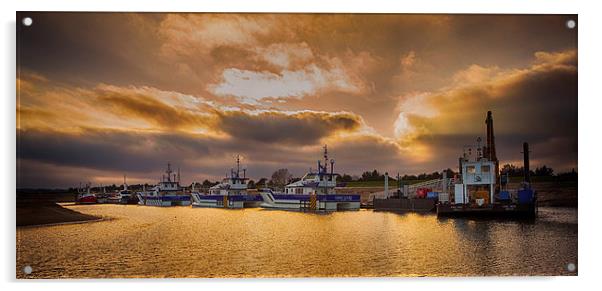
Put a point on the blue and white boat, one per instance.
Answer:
(167, 193)
(315, 191)
(232, 192)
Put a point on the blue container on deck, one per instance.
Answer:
(525, 196)
(504, 195)
(432, 195)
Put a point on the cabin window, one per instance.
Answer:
(471, 169)
(485, 169)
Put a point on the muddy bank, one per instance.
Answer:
(47, 212)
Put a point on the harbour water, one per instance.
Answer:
(138, 241)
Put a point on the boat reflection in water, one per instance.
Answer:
(189, 242)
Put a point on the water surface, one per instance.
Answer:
(141, 241)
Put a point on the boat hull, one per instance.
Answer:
(405, 205)
(226, 201)
(513, 210)
(87, 200)
(164, 201)
(330, 202)
(129, 200)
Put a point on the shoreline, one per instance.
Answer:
(61, 223)
(47, 213)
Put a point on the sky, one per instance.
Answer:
(100, 95)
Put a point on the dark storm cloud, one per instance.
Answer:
(52, 158)
(301, 128)
(536, 105)
(107, 149)
(106, 93)
(75, 47)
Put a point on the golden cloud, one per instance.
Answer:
(147, 108)
(476, 90)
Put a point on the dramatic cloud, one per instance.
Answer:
(396, 93)
(305, 127)
(259, 85)
(540, 99)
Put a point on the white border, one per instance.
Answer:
(589, 111)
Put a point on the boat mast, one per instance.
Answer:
(168, 172)
(237, 166)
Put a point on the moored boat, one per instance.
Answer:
(479, 192)
(126, 196)
(232, 192)
(315, 191)
(167, 192)
(86, 197)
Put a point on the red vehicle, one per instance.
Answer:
(421, 192)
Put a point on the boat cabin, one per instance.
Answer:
(321, 182)
(235, 184)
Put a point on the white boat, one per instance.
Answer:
(315, 191)
(167, 193)
(232, 192)
(126, 196)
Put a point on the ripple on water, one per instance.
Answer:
(190, 242)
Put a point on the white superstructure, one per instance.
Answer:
(167, 192)
(230, 193)
(314, 191)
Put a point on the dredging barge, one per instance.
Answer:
(480, 191)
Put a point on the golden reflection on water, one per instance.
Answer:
(140, 241)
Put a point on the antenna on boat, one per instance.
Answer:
(526, 170)
(168, 172)
(479, 150)
(325, 155)
(331, 166)
(237, 166)
(178, 174)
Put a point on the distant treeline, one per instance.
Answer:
(543, 171)
(282, 177)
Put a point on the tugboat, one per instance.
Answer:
(232, 192)
(478, 193)
(167, 193)
(87, 197)
(126, 196)
(315, 191)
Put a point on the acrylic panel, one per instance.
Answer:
(177, 145)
